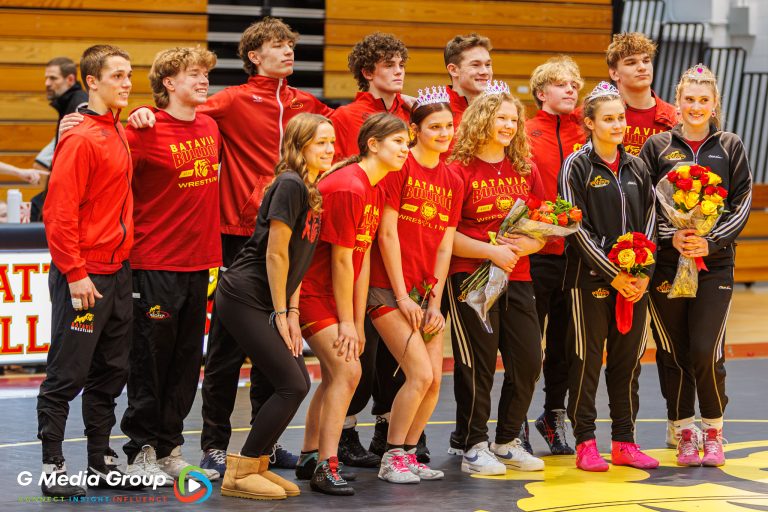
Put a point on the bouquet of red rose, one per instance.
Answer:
(534, 218)
(690, 198)
(633, 254)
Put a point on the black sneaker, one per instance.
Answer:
(422, 452)
(109, 475)
(455, 447)
(551, 425)
(379, 440)
(352, 453)
(327, 480)
(60, 487)
(305, 468)
(282, 458)
(524, 436)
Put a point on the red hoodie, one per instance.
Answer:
(88, 212)
(552, 138)
(348, 119)
(252, 118)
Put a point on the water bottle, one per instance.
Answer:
(14, 206)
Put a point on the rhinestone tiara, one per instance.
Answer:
(497, 87)
(697, 73)
(430, 95)
(603, 89)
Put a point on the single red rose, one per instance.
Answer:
(534, 214)
(696, 171)
(641, 255)
(650, 246)
(684, 184)
(533, 202)
(710, 190)
(721, 192)
(672, 176)
(562, 219)
(430, 281)
(613, 255)
(624, 245)
(575, 215)
(704, 179)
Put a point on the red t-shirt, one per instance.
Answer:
(490, 190)
(695, 144)
(176, 194)
(614, 166)
(348, 119)
(350, 218)
(428, 202)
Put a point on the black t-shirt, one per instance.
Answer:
(287, 200)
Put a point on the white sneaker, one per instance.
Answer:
(673, 438)
(394, 468)
(480, 460)
(514, 456)
(174, 465)
(145, 465)
(423, 471)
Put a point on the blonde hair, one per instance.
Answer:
(299, 133)
(702, 75)
(477, 126)
(171, 62)
(557, 69)
(626, 44)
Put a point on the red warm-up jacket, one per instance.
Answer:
(252, 119)
(88, 212)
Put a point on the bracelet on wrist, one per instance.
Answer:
(293, 309)
(275, 314)
(401, 299)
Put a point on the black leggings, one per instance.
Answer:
(288, 376)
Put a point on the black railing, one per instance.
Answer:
(728, 65)
(681, 45)
(643, 16)
(751, 109)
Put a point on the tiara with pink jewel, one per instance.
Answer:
(430, 95)
(697, 73)
(603, 89)
(496, 87)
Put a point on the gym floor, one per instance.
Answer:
(740, 485)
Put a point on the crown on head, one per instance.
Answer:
(603, 89)
(697, 73)
(430, 95)
(497, 87)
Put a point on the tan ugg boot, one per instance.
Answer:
(291, 489)
(242, 480)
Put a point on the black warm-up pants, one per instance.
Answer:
(89, 353)
(516, 335)
(547, 272)
(690, 335)
(223, 360)
(261, 342)
(591, 330)
(166, 353)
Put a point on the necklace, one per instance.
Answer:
(498, 167)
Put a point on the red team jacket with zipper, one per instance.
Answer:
(252, 119)
(348, 119)
(88, 212)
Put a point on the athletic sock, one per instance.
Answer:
(716, 423)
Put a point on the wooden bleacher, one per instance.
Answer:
(524, 34)
(35, 31)
(752, 244)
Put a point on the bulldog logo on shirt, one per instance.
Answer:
(202, 167)
(599, 182)
(428, 210)
(675, 155)
(504, 203)
(600, 293)
(664, 287)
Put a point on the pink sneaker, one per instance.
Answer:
(713, 448)
(688, 449)
(629, 454)
(588, 457)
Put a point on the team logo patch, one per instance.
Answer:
(428, 210)
(631, 149)
(600, 293)
(155, 313)
(664, 287)
(296, 105)
(202, 167)
(599, 182)
(676, 155)
(536, 133)
(257, 99)
(83, 323)
(577, 146)
(724, 287)
(504, 203)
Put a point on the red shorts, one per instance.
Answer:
(317, 313)
(378, 311)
